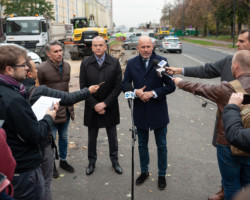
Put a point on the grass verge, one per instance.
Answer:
(207, 43)
(115, 42)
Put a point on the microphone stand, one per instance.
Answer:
(134, 132)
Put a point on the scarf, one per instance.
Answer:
(19, 87)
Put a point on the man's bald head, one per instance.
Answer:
(145, 47)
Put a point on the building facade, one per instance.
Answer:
(99, 10)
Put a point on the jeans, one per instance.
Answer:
(161, 142)
(29, 185)
(235, 170)
(47, 169)
(62, 129)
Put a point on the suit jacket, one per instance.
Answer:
(91, 74)
(154, 113)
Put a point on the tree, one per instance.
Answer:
(28, 8)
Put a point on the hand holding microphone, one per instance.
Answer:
(173, 70)
(161, 71)
(177, 80)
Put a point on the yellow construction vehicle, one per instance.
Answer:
(83, 36)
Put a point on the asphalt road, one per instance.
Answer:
(192, 166)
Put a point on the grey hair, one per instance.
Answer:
(49, 44)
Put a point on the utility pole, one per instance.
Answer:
(183, 27)
(234, 25)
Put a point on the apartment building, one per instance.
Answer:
(99, 10)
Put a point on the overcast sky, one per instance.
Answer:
(133, 12)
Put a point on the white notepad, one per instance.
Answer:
(41, 106)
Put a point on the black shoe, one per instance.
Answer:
(55, 172)
(140, 180)
(161, 182)
(90, 168)
(117, 168)
(64, 165)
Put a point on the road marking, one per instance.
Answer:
(193, 59)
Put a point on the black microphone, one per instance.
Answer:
(161, 71)
(129, 94)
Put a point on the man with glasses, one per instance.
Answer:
(24, 133)
(101, 108)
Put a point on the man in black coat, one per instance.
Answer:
(236, 134)
(101, 108)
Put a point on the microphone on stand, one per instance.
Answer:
(129, 94)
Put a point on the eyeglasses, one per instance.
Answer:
(23, 65)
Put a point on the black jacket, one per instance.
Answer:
(67, 99)
(111, 73)
(24, 132)
(236, 134)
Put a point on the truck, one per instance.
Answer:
(2, 36)
(33, 32)
(163, 31)
(84, 32)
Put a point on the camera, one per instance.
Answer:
(246, 99)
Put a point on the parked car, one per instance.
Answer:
(133, 42)
(33, 55)
(130, 43)
(171, 43)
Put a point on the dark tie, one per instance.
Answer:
(145, 63)
(100, 61)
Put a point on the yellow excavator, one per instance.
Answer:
(83, 36)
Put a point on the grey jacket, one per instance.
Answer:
(221, 68)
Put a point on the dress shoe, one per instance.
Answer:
(90, 168)
(55, 172)
(161, 182)
(218, 196)
(64, 165)
(117, 168)
(140, 180)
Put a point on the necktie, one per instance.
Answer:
(100, 62)
(145, 63)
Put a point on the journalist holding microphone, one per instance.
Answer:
(150, 106)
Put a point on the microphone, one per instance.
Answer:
(129, 95)
(161, 71)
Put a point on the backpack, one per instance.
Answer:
(245, 117)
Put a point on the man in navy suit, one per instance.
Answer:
(150, 106)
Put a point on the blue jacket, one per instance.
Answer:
(154, 113)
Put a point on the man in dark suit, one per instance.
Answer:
(150, 106)
(101, 108)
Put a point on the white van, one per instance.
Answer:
(139, 34)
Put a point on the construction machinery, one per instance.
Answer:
(33, 32)
(84, 32)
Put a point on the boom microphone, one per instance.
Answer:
(161, 71)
